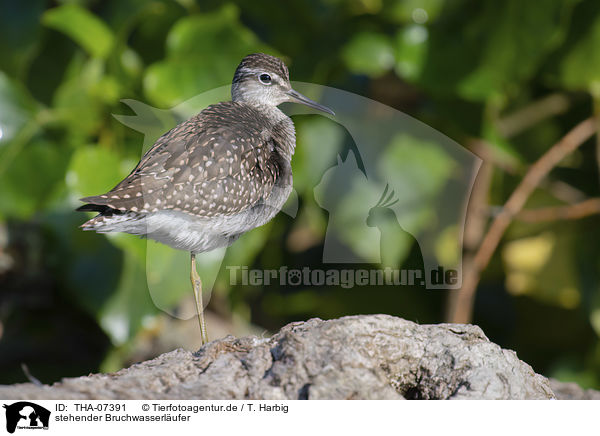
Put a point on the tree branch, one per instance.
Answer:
(530, 115)
(566, 212)
(534, 176)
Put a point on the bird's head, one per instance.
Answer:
(264, 79)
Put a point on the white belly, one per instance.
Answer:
(186, 232)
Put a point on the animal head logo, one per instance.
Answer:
(26, 415)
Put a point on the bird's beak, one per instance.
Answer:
(299, 98)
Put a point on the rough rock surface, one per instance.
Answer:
(355, 357)
(572, 391)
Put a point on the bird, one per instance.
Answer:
(214, 177)
(395, 242)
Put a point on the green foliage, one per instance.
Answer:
(16, 108)
(460, 65)
(411, 51)
(85, 28)
(369, 53)
(84, 180)
(580, 68)
(511, 51)
(191, 67)
(419, 11)
(501, 45)
(22, 195)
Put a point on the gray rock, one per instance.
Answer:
(572, 391)
(355, 357)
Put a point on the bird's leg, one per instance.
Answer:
(197, 285)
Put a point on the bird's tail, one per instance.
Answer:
(112, 220)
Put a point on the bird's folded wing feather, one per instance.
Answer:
(200, 167)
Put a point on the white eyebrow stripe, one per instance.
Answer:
(254, 71)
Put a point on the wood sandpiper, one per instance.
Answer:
(223, 172)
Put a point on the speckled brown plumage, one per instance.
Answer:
(215, 176)
(205, 169)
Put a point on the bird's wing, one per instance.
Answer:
(201, 167)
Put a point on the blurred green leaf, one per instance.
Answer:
(21, 193)
(369, 53)
(192, 67)
(411, 49)
(422, 166)
(312, 159)
(131, 63)
(93, 170)
(490, 53)
(16, 107)
(168, 275)
(83, 27)
(512, 52)
(79, 101)
(569, 369)
(504, 148)
(417, 11)
(90, 267)
(541, 266)
(420, 169)
(126, 309)
(580, 68)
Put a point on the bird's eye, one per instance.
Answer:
(264, 78)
